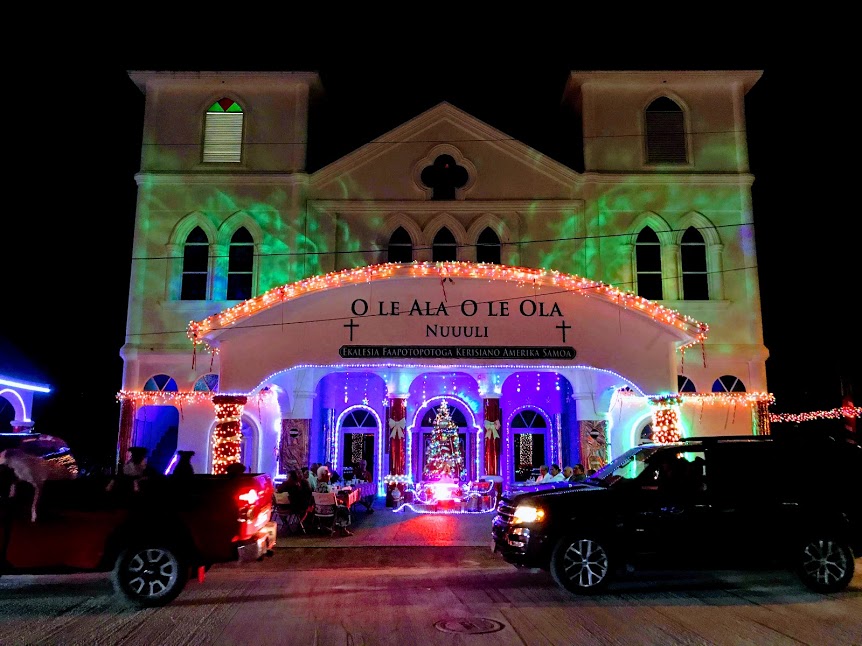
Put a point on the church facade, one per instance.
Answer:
(280, 316)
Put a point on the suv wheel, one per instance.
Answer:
(149, 575)
(581, 564)
(825, 564)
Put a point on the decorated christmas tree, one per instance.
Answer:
(444, 452)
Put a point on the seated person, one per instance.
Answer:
(333, 474)
(342, 513)
(312, 475)
(297, 487)
(362, 473)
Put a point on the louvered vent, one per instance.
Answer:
(223, 137)
(665, 137)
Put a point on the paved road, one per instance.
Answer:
(442, 595)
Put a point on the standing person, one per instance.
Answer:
(556, 474)
(342, 513)
(543, 473)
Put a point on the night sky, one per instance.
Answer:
(67, 246)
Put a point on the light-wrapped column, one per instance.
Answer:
(227, 437)
(397, 440)
(492, 438)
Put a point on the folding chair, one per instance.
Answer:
(324, 511)
(291, 520)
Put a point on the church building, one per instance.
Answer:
(280, 316)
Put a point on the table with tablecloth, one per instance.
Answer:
(363, 493)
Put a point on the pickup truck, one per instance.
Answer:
(152, 542)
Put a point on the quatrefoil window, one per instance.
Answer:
(443, 177)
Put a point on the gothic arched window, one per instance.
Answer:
(488, 247)
(240, 266)
(195, 266)
(695, 280)
(400, 246)
(648, 265)
(445, 247)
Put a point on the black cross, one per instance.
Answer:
(564, 327)
(352, 325)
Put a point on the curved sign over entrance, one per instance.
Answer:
(448, 314)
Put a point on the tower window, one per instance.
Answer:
(665, 133)
(223, 132)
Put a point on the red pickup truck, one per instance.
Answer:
(151, 541)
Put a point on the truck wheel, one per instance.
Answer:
(149, 575)
(825, 564)
(581, 564)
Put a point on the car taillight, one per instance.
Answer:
(253, 512)
(250, 497)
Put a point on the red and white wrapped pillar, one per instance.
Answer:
(397, 429)
(491, 438)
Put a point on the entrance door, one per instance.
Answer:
(529, 428)
(358, 435)
(463, 446)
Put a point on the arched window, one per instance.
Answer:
(488, 247)
(207, 383)
(444, 247)
(196, 253)
(400, 246)
(648, 265)
(359, 418)
(456, 415)
(529, 442)
(665, 133)
(223, 132)
(695, 281)
(161, 383)
(359, 440)
(728, 384)
(240, 266)
(685, 385)
(529, 419)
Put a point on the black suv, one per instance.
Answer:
(792, 498)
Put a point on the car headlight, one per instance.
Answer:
(527, 514)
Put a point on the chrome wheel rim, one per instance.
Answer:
(152, 572)
(585, 563)
(824, 562)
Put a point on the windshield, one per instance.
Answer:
(627, 466)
